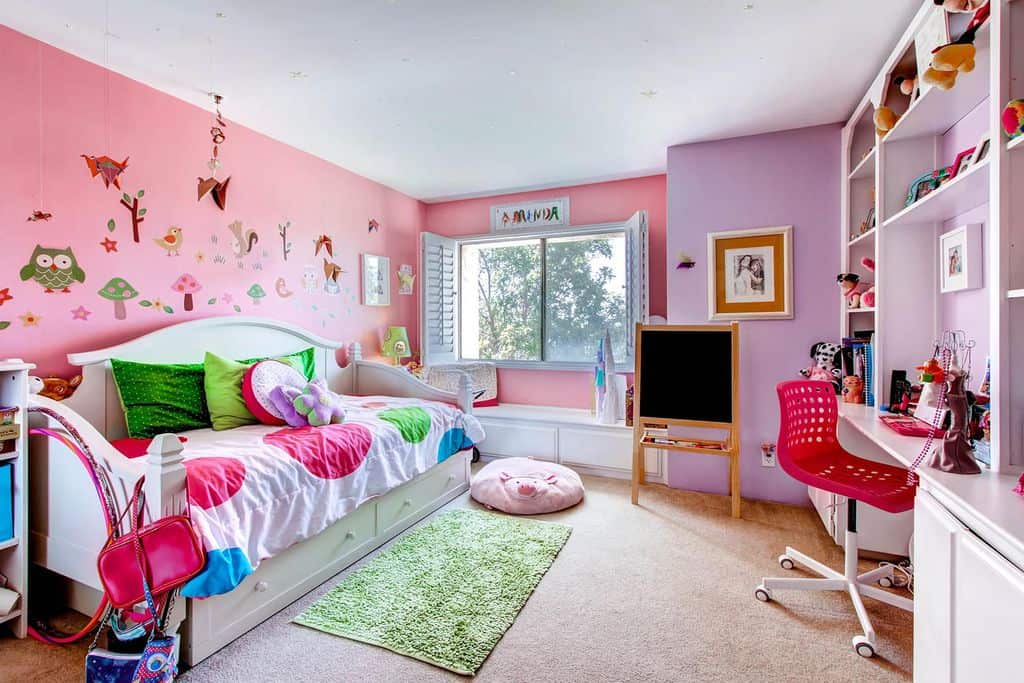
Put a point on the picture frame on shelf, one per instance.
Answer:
(376, 273)
(960, 259)
(962, 161)
(925, 184)
(981, 151)
(751, 275)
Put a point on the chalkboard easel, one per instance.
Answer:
(687, 376)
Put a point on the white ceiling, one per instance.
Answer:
(444, 98)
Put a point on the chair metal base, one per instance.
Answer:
(857, 585)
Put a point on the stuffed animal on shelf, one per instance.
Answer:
(906, 84)
(953, 59)
(868, 297)
(827, 358)
(1013, 119)
(853, 389)
(853, 289)
(885, 120)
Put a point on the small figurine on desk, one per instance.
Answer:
(853, 389)
(955, 454)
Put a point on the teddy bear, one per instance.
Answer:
(885, 120)
(825, 367)
(953, 59)
(853, 389)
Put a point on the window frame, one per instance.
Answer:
(616, 228)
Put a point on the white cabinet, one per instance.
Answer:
(968, 602)
(566, 436)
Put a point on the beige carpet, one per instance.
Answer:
(661, 592)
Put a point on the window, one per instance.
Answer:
(534, 299)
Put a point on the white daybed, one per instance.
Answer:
(67, 524)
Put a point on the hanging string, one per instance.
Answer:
(106, 81)
(39, 50)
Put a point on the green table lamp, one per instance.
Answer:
(396, 344)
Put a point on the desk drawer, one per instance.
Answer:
(512, 440)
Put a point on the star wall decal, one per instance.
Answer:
(30, 319)
(109, 244)
(227, 298)
(5, 295)
(80, 313)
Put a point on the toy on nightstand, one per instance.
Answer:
(7, 414)
(827, 357)
(55, 388)
(1013, 119)
(853, 389)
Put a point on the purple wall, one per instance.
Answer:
(786, 178)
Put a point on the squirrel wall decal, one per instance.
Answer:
(242, 240)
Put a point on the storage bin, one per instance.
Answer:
(6, 501)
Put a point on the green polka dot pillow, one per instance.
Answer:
(161, 398)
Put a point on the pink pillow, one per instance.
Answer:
(258, 382)
(521, 486)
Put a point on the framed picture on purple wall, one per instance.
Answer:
(750, 274)
(960, 259)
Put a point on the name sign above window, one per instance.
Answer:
(546, 213)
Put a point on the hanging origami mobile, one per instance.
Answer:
(373, 226)
(38, 215)
(324, 242)
(107, 168)
(218, 189)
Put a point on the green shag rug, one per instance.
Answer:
(444, 593)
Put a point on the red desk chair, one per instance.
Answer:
(809, 451)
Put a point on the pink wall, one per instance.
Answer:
(55, 110)
(786, 178)
(588, 204)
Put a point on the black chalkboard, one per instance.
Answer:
(685, 374)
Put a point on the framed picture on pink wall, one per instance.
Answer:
(750, 274)
(960, 259)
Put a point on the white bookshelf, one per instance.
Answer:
(14, 560)
(910, 312)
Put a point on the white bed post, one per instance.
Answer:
(166, 494)
(355, 355)
(465, 393)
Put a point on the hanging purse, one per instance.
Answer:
(169, 548)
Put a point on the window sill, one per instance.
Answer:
(559, 366)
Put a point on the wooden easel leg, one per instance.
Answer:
(734, 483)
(637, 472)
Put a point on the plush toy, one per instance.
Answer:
(853, 389)
(885, 120)
(853, 289)
(521, 486)
(319, 405)
(1013, 119)
(283, 397)
(56, 388)
(868, 297)
(949, 61)
(906, 84)
(826, 363)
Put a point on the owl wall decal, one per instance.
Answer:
(53, 269)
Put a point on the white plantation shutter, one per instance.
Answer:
(637, 273)
(440, 277)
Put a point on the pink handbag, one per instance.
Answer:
(171, 553)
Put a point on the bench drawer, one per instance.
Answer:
(593, 448)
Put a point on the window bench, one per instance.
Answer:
(567, 436)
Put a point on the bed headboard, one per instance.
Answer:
(236, 337)
(98, 402)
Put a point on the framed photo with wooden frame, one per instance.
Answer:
(750, 274)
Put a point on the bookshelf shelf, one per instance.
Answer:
(1016, 143)
(865, 167)
(1015, 294)
(9, 543)
(862, 309)
(870, 234)
(967, 191)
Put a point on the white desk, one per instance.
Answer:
(968, 564)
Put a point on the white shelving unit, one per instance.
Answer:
(14, 560)
(910, 312)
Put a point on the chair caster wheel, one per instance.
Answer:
(762, 594)
(786, 562)
(886, 582)
(862, 647)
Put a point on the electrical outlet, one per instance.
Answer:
(767, 455)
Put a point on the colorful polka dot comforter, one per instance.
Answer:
(255, 491)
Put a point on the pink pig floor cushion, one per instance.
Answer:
(520, 486)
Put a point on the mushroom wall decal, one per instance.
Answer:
(118, 290)
(256, 293)
(187, 285)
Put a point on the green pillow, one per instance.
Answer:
(160, 398)
(223, 386)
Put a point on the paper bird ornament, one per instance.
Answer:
(373, 226)
(107, 168)
(332, 271)
(218, 189)
(324, 242)
(38, 215)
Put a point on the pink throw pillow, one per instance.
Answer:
(257, 383)
(521, 486)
